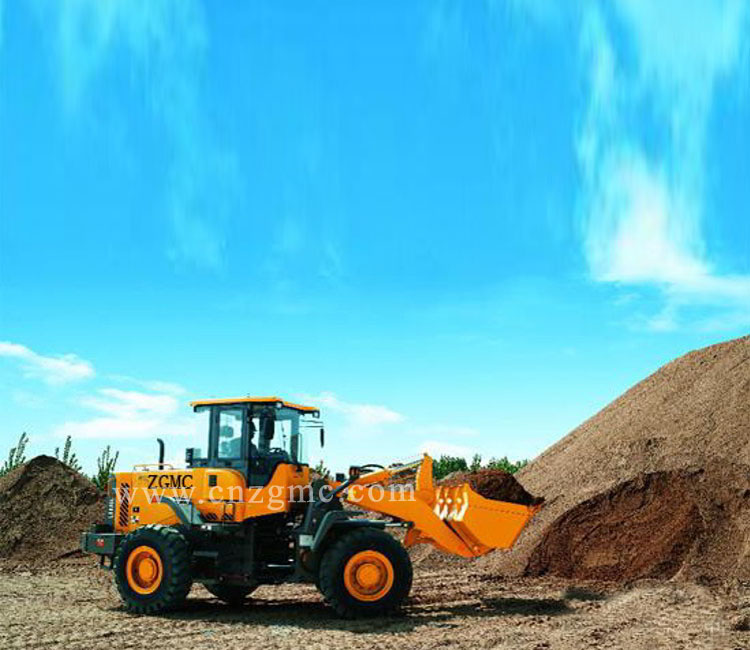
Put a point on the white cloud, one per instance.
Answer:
(437, 435)
(153, 385)
(437, 448)
(130, 403)
(111, 412)
(636, 235)
(108, 428)
(129, 414)
(164, 44)
(365, 415)
(643, 195)
(58, 369)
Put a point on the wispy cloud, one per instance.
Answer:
(440, 439)
(364, 415)
(154, 385)
(128, 414)
(437, 448)
(446, 30)
(57, 369)
(643, 191)
(105, 407)
(130, 403)
(164, 46)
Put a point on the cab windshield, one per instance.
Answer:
(278, 433)
(264, 434)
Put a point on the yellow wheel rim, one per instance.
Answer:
(368, 576)
(144, 570)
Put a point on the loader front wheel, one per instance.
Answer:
(365, 572)
(152, 570)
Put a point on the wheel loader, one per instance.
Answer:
(249, 512)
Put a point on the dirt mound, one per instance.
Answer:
(494, 484)
(688, 423)
(643, 528)
(44, 507)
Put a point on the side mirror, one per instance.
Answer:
(322, 437)
(189, 452)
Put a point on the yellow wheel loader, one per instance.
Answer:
(248, 512)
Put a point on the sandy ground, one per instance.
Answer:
(79, 608)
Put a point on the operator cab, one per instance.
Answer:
(253, 435)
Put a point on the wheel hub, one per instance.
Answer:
(144, 570)
(147, 570)
(368, 575)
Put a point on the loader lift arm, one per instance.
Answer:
(454, 519)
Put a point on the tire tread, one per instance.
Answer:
(180, 579)
(345, 546)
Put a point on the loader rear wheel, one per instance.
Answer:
(152, 569)
(230, 594)
(365, 573)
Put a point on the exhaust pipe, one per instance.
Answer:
(161, 453)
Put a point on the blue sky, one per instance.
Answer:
(455, 226)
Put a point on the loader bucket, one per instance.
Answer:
(483, 524)
(454, 519)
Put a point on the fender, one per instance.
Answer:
(339, 519)
(188, 514)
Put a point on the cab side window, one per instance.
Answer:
(230, 433)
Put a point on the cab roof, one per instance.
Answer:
(255, 400)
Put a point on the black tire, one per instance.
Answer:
(333, 565)
(175, 578)
(231, 594)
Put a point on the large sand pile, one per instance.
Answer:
(44, 507)
(654, 485)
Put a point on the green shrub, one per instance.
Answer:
(447, 465)
(68, 457)
(506, 465)
(16, 456)
(321, 471)
(105, 465)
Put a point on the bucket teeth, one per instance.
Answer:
(483, 524)
(452, 503)
(441, 510)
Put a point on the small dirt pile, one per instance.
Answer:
(656, 484)
(44, 507)
(501, 486)
(494, 484)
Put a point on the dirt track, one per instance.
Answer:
(78, 608)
